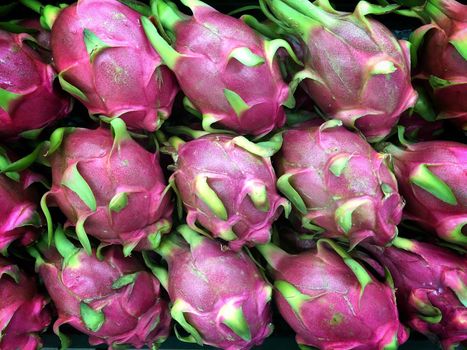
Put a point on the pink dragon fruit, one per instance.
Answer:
(218, 296)
(331, 301)
(112, 299)
(227, 71)
(108, 186)
(355, 69)
(227, 184)
(105, 61)
(432, 179)
(23, 311)
(29, 100)
(420, 129)
(431, 290)
(19, 219)
(338, 185)
(440, 47)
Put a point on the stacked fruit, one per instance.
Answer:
(309, 164)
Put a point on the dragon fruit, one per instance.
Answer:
(109, 187)
(440, 54)
(331, 301)
(227, 184)
(29, 100)
(105, 61)
(355, 69)
(19, 219)
(112, 299)
(431, 290)
(339, 186)
(227, 71)
(218, 296)
(432, 179)
(420, 129)
(23, 311)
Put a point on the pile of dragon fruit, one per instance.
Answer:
(167, 169)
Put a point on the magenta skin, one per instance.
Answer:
(347, 57)
(325, 303)
(205, 277)
(31, 99)
(24, 313)
(346, 187)
(112, 167)
(233, 173)
(447, 161)
(124, 78)
(430, 286)
(19, 219)
(440, 64)
(133, 313)
(204, 70)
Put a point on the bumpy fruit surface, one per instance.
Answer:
(339, 186)
(112, 299)
(109, 187)
(29, 99)
(432, 177)
(331, 301)
(23, 310)
(227, 184)
(218, 296)
(105, 61)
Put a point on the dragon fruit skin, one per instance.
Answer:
(19, 219)
(331, 301)
(376, 86)
(218, 296)
(441, 57)
(112, 299)
(432, 179)
(338, 184)
(29, 100)
(430, 286)
(227, 71)
(106, 62)
(23, 311)
(228, 189)
(110, 187)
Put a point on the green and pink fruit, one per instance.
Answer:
(109, 187)
(355, 69)
(29, 99)
(339, 186)
(331, 301)
(228, 72)
(218, 296)
(432, 178)
(112, 299)
(228, 185)
(23, 310)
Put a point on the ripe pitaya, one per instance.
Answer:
(338, 183)
(218, 296)
(227, 71)
(109, 186)
(431, 290)
(441, 59)
(228, 185)
(432, 177)
(112, 299)
(331, 301)
(23, 311)
(29, 100)
(105, 61)
(420, 129)
(355, 69)
(18, 203)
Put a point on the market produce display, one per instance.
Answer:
(222, 173)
